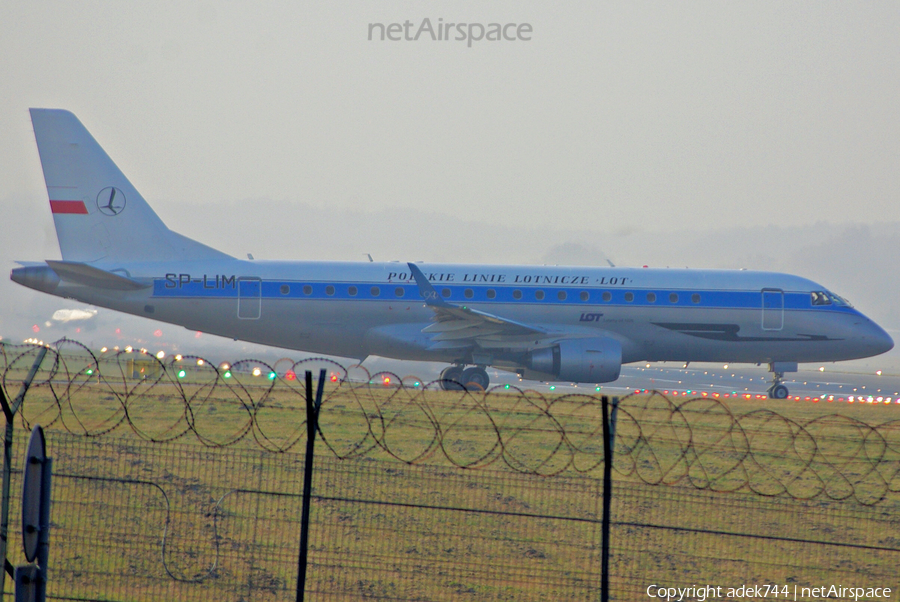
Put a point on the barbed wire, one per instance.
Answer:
(698, 442)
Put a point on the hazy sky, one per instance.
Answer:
(708, 133)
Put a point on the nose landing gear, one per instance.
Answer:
(777, 390)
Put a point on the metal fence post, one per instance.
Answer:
(609, 433)
(10, 414)
(312, 423)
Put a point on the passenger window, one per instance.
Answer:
(398, 291)
(673, 298)
(584, 295)
(651, 297)
(469, 293)
(445, 293)
(561, 295)
(375, 291)
(517, 294)
(329, 290)
(695, 298)
(307, 289)
(607, 296)
(629, 297)
(539, 295)
(285, 289)
(491, 293)
(351, 291)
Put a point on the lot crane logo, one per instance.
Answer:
(111, 201)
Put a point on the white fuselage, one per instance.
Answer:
(360, 309)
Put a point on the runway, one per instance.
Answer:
(744, 380)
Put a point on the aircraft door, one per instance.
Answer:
(772, 309)
(249, 298)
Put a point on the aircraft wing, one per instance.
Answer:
(458, 325)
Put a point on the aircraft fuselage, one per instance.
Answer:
(359, 309)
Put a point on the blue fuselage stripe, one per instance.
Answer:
(368, 291)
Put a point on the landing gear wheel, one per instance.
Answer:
(778, 392)
(476, 378)
(452, 378)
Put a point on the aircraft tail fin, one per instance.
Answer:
(99, 215)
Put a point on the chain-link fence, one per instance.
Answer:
(179, 480)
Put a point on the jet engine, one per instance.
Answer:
(577, 360)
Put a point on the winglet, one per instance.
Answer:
(428, 292)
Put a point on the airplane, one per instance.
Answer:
(546, 323)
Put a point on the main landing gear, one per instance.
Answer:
(457, 378)
(778, 390)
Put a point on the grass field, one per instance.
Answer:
(189, 488)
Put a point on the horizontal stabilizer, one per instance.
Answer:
(84, 274)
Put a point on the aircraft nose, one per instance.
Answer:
(878, 340)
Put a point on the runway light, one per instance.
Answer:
(334, 378)
(290, 375)
(178, 357)
(160, 355)
(822, 369)
(272, 375)
(199, 362)
(257, 372)
(878, 372)
(181, 374)
(227, 374)
(89, 371)
(103, 350)
(553, 387)
(725, 367)
(386, 381)
(129, 349)
(597, 388)
(506, 387)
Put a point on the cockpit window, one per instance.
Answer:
(838, 300)
(828, 298)
(820, 298)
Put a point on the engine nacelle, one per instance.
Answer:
(579, 360)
